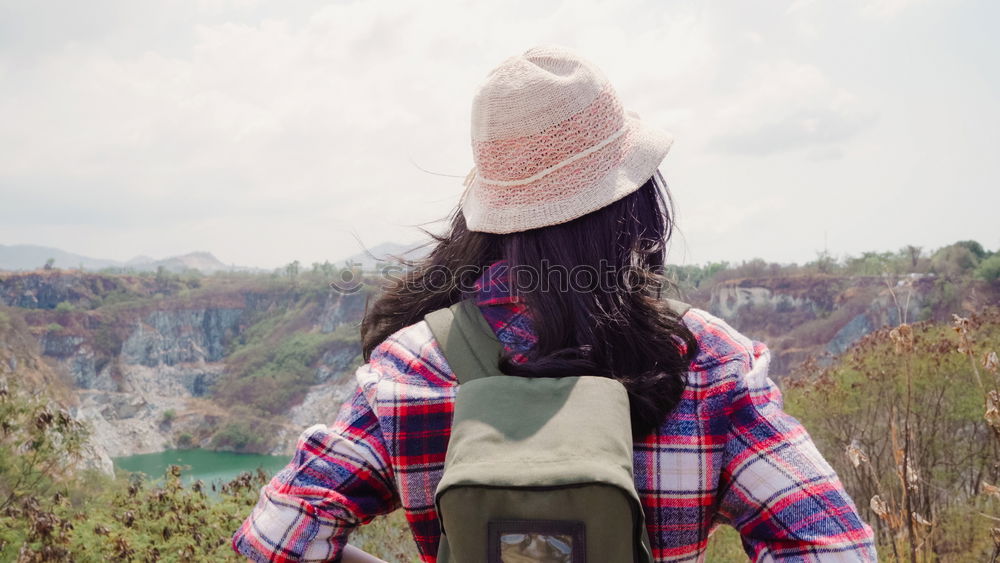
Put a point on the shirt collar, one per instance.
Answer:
(492, 287)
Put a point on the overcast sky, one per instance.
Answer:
(266, 132)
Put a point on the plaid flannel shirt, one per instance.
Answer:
(727, 454)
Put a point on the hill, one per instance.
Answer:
(25, 257)
(244, 361)
(387, 252)
(158, 361)
(28, 257)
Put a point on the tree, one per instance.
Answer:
(49, 263)
(913, 253)
(989, 269)
(954, 261)
(40, 443)
(974, 247)
(873, 264)
(825, 263)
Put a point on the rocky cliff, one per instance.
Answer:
(47, 289)
(246, 363)
(821, 316)
(143, 371)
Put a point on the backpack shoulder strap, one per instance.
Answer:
(467, 341)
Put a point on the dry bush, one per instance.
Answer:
(901, 419)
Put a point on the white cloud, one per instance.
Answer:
(796, 6)
(786, 106)
(871, 9)
(282, 129)
(886, 9)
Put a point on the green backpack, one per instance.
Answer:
(538, 470)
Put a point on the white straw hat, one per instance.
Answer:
(552, 142)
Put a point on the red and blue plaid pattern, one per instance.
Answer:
(727, 454)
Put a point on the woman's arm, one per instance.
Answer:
(352, 554)
(339, 478)
(778, 491)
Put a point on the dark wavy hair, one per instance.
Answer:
(621, 328)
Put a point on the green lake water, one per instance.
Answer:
(207, 465)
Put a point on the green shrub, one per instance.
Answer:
(725, 546)
(388, 538)
(185, 440)
(272, 364)
(48, 512)
(39, 445)
(65, 307)
(168, 416)
(989, 269)
(248, 435)
(118, 296)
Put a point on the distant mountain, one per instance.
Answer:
(141, 259)
(202, 261)
(30, 257)
(18, 257)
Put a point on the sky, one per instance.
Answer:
(266, 132)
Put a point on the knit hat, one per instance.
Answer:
(552, 142)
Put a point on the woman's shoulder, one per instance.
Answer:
(723, 351)
(727, 366)
(411, 356)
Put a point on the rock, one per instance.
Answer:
(79, 360)
(883, 311)
(184, 335)
(95, 456)
(832, 312)
(336, 362)
(58, 345)
(728, 299)
(340, 309)
(131, 363)
(124, 424)
(321, 405)
(852, 332)
(47, 289)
